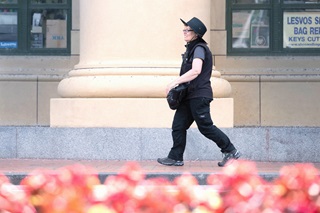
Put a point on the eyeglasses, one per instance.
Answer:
(186, 31)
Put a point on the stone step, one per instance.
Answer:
(16, 178)
(17, 169)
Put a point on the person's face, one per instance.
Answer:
(188, 34)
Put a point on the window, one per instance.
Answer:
(35, 27)
(268, 27)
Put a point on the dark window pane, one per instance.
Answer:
(250, 29)
(49, 28)
(8, 29)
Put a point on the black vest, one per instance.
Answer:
(200, 86)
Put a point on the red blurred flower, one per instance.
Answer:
(69, 189)
(13, 198)
(238, 188)
(130, 192)
(297, 189)
(241, 188)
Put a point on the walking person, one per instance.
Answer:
(196, 68)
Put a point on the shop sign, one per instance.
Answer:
(301, 30)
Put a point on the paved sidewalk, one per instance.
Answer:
(17, 169)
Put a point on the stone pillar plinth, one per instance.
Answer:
(129, 52)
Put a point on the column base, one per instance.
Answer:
(127, 112)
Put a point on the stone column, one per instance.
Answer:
(129, 52)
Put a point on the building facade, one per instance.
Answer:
(72, 61)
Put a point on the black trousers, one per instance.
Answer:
(198, 110)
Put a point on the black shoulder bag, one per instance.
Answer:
(176, 95)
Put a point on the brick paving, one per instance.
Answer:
(11, 166)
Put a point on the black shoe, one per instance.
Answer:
(229, 157)
(170, 162)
